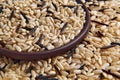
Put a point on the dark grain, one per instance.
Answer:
(39, 40)
(102, 10)
(1, 9)
(110, 73)
(69, 6)
(71, 52)
(24, 15)
(29, 69)
(42, 4)
(49, 77)
(18, 28)
(57, 70)
(42, 46)
(3, 68)
(82, 66)
(99, 23)
(64, 26)
(76, 10)
(113, 44)
(27, 28)
(99, 34)
(55, 6)
(11, 15)
(114, 18)
(33, 30)
(101, 76)
(49, 12)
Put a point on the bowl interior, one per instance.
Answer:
(54, 52)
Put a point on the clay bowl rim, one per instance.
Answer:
(54, 52)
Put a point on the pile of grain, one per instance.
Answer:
(34, 25)
(96, 58)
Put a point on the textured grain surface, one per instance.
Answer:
(87, 62)
(23, 21)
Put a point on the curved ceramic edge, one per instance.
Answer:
(54, 52)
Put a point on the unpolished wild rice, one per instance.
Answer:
(87, 61)
(53, 19)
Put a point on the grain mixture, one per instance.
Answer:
(96, 58)
(37, 25)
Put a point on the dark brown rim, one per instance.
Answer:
(51, 53)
